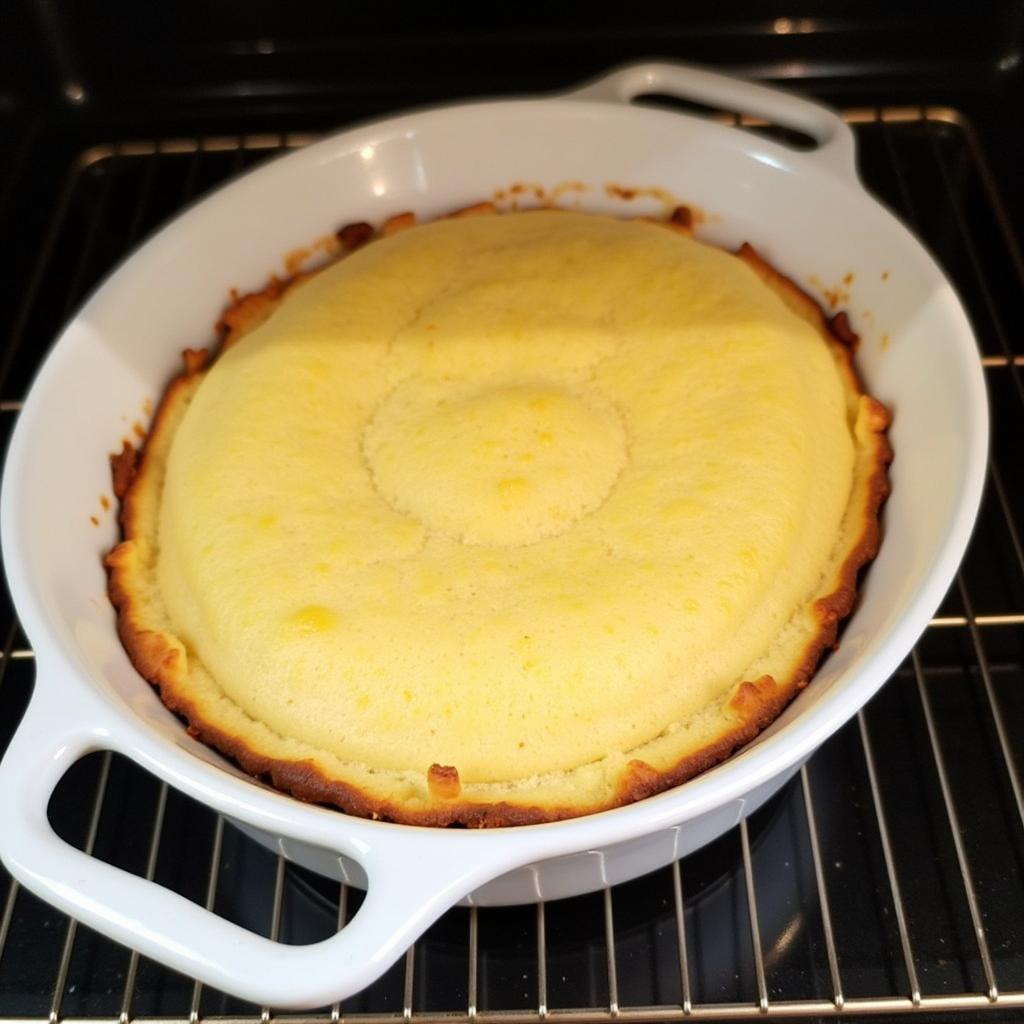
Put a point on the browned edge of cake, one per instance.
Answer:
(757, 703)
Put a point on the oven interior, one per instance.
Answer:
(888, 876)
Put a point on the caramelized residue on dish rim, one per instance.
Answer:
(670, 202)
(525, 194)
(836, 296)
(655, 192)
(839, 296)
(511, 197)
(301, 258)
(105, 505)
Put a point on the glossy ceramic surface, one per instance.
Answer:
(805, 211)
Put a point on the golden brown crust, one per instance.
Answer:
(122, 469)
(476, 210)
(195, 359)
(794, 296)
(244, 314)
(400, 222)
(755, 704)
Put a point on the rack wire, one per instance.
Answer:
(887, 878)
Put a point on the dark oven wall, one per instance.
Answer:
(76, 74)
(272, 66)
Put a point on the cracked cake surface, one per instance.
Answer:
(501, 519)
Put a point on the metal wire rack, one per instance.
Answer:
(888, 877)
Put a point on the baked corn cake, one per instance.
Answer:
(500, 519)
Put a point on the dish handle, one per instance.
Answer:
(834, 138)
(402, 900)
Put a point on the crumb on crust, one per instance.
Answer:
(443, 781)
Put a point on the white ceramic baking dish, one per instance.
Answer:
(805, 211)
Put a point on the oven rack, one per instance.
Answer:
(887, 878)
